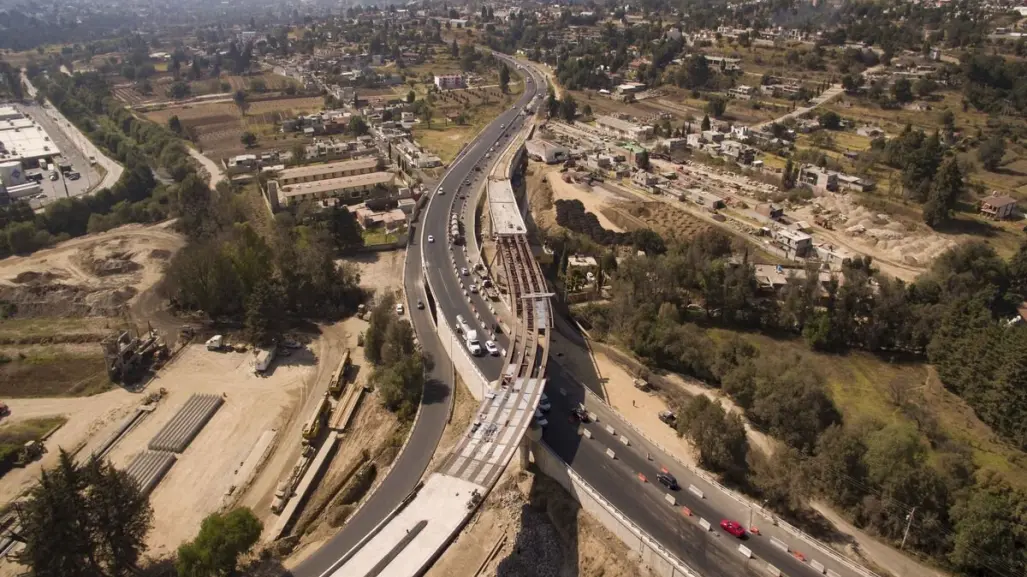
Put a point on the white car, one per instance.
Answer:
(540, 419)
(442, 192)
(431, 239)
(474, 289)
(492, 348)
(463, 272)
(543, 404)
(399, 309)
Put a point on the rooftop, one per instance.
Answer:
(26, 143)
(999, 200)
(506, 215)
(617, 123)
(341, 183)
(314, 170)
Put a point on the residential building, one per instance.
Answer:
(624, 129)
(998, 206)
(450, 81)
(644, 179)
(545, 151)
(738, 152)
(855, 183)
(348, 188)
(769, 210)
(817, 178)
(742, 92)
(326, 171)
(795, 242)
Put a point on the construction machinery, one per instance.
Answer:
(339, 378)
(31, 451)
(128, 357)
(312, 428)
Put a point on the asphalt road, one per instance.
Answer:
(438, 393)
(714, 553)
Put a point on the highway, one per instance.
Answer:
(713, 553)
(438, 394)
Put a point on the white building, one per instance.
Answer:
(449, 81)
(547, 152)
(624, 129)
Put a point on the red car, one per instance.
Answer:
(733, 527)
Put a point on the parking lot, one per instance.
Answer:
(70, 149)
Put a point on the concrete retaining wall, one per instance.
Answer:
(653, 555)
(461, 357)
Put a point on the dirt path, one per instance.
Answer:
(595, 201)
(215, 173)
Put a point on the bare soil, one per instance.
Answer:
(532, 527)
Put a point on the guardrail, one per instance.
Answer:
(795, 531)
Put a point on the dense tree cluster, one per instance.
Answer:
(234, 272)
(955, 316)
(222, 539)
(88, 521)
(399, 365)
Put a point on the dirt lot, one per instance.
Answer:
(218, 125)
(95, 275)
(535, 529)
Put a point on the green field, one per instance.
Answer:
(53, 371)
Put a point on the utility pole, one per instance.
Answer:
(909, 522)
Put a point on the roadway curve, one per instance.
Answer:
(438, 394)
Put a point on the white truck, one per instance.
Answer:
(473, 344)
(216, 343)
(262, 359)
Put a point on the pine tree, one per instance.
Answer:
(705, 123)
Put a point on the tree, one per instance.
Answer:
(642, 160)
(84, 522)
(568, 108)
(248, 139)
(264, 313)
(716, 106)
(298, 152)
(991, 152)
(426, 115)
(377, 324)
(830, 120)
(587, 111)
(946, 189)
(902, 91)
(217, 547)
(240, 100)
(705, 123)
(357, 126)
(411, 97)
(788, 175)
(504, 78)
(175, 125)
(718, 436)
(343, 229)
(178, 90)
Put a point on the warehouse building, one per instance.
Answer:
(22, 140)
(329, 170)
(624, 129)
(350, 189)
(545, 151)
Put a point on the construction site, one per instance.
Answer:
(202, 427)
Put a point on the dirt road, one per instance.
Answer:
(215, 173)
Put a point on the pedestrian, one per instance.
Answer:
(633, 403)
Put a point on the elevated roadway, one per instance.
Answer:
(408, 537)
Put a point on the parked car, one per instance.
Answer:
(543, 404)
(399, 309)
(733, 527)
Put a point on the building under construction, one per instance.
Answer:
(129, 357)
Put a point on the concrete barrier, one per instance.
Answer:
(670, 499)
(611, 454)
(653, 555)
(587, 434)
(624, 441)
(745, 551)
(695, 491)
(705, 524)
(610, 430)
(832, 573)
(817, 566)
(591, 416)
(773, 571)
(779, 544)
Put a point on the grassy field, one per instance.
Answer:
(866, 387)
(446, 137)
(375, 237)
(20, 432)
(53, 371)
(43, 330)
